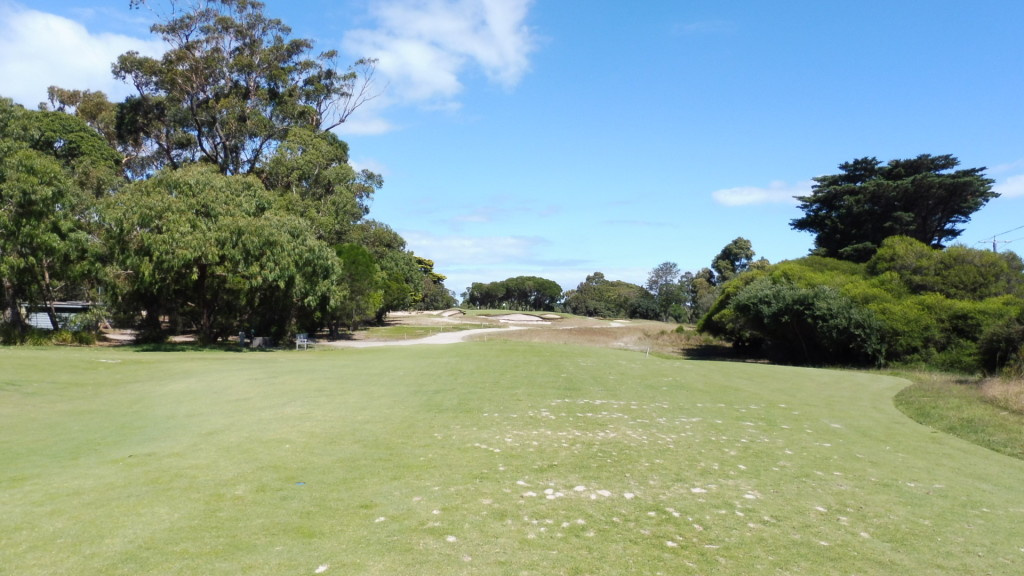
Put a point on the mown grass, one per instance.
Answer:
(481, 458)
(987, 413)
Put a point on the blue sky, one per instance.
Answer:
(556, 138)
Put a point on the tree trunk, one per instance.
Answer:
(14, 317)
(46, 290)
(205, 321)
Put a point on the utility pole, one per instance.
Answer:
(996, 243)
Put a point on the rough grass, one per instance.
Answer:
(481, 458)
(986, 413)
(1005, 393)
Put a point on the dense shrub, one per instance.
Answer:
(958, 272)
(815, 325)
(957, 309)
(1001, 346)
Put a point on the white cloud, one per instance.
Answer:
(1011, 186)
(475, 250)
(468, 259)
(775, 193)
(425, 46)
(38, 50)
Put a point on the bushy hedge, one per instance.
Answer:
(816, 325)
(958, 309)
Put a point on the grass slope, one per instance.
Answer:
(481, 458)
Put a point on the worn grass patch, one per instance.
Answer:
(412, 332)
(638, 336)
(482, 458)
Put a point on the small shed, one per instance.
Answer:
(38, 316)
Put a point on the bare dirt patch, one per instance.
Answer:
(644, 337)
(550, 328)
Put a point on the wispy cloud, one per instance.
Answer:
(775, 193)
(425, 47)
(465, 259)
(38, 50)
(1011, 187)
(501, 209)
(458, 250)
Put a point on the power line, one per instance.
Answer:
(996, 243)
(1008, 231)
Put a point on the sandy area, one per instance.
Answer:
(440, 338)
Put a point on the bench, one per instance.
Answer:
(303, 341)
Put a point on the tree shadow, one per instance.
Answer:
(192, 347)
(720, 353)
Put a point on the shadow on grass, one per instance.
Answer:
(719, 353)
(192, 347)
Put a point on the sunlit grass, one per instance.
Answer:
(481, 458)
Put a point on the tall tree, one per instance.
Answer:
(598, 296)
(403, 279)
(230, 86)
(664, 282)
(313, 179)
(51, 168)
(924, 198)
(735, 258)
(209, 249)
(364, 284)
(434, 294)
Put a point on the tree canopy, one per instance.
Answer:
(518, 293)
(52, 167)
(958, 309)
(852, 212)
(230, 87)
(214, 199)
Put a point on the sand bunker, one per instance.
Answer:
(532, 319)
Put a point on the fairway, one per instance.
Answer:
(499, 458)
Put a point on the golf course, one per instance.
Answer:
(481, 457)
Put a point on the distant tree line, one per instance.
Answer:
(669, 293)
(519, 293)
(880, 287)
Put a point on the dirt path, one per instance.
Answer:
(441, 338)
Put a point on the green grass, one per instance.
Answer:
(959, 407)
(482, 458)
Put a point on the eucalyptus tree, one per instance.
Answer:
(664, 282)
(311, 175)
(230, 87)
